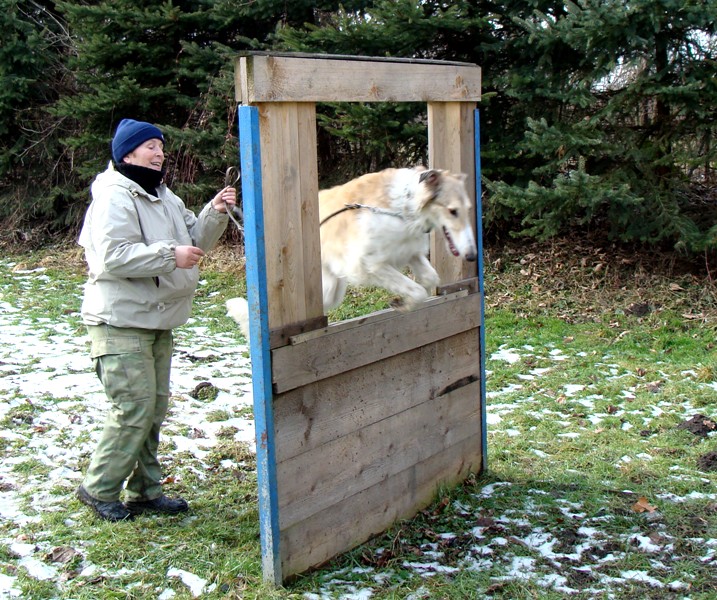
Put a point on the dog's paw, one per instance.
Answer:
(429, 280)
(399, 304)
(238, 309)
(410, 301)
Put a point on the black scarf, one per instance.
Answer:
(148, 179)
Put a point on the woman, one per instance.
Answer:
(142, 248)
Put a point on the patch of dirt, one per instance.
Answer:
(707, 462)
(567, 539)
(204, 391)
(580, 579)
(699, 425)
(610, 547)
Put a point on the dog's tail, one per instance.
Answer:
(238, 309)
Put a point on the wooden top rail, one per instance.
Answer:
(298, 77)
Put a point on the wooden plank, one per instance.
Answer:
(375, 317)
(309, 210)
(326, 475)
(451, 145)
(470, 285)
(371, 511)
(260, 355)
(287, 78)
(322, 357)
(283, 335)
(479, 240)
(290, 213)
(314, 415)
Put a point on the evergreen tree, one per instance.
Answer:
(127, 64)
(626, 147)
(596, 114)
(566, 143)
(171, 63)
(32, 77)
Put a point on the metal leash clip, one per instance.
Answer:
(231, 178)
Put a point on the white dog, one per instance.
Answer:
(375, 226)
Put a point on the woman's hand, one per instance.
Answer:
(187, 257)
(226, 198)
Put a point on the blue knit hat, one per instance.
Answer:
(130, 134)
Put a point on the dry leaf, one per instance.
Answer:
(62, 554)
(642, 505)
(485, 522)
(656, 538)
(654, 386)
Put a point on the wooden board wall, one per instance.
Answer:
(359, 448)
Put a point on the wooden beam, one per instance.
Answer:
(291, 222)
(451, 140)
(287, 78)
(260, 356)
(372, 318)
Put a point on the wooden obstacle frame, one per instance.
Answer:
(358, 423)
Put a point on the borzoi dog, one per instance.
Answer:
(377, 225)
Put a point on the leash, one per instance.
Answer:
(373, 209)
(233, 175)
(231, 178)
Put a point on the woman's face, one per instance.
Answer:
(150, 154)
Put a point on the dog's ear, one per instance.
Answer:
(430, 178)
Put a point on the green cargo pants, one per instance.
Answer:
(133, 366)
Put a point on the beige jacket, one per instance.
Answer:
(129, 238)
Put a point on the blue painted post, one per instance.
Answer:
(252, 200)
(479, 240)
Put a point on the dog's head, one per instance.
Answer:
(447, 207)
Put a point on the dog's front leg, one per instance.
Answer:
(391, 279)
(334, 289)
(424, 272)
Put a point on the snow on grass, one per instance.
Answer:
(583, 555)
(47, 381)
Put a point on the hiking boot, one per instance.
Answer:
(163, 504)
(109, 511)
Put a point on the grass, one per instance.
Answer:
(591, 374)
